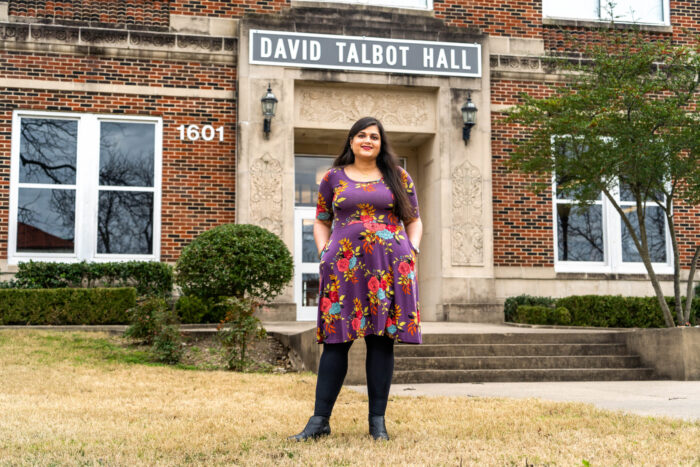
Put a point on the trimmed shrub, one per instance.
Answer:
(235, 260)
(512, 304)
(148, 277)
(597, 311)
(66, 306)
(539, 314)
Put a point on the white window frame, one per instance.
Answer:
(665, 11)
(382, 3)
(86, 187)
(612, 242)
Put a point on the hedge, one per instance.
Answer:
(595, 310)
(66, 306)
(148, 277)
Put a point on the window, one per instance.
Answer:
(415, 4)
(84, 187)
(626, 11)
(595, 239)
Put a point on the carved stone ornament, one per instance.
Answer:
(342, 107)
(199, 42)
(107, 36)
(467, 208)
(515, 63)
(51, 33)
(153, 40)
(16, 32)
(266, 193)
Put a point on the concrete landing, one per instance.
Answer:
(677, 399)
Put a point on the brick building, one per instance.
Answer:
(127, 128)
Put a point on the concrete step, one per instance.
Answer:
(534, 375)
(612, 337)
(489, 350)
(514, 363)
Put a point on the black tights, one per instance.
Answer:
(334, 366)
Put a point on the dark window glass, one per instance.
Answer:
(127, 152)
(125, 222)
(310, 285)
(45, 220)
(308, 171)
(309, 253)
(580, 233)
(626, 194)
(655, 223)
(47, 151)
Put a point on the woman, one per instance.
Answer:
(368, 230)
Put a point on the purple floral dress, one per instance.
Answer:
(367, 270)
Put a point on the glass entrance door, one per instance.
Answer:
(308, 171)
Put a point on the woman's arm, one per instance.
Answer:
(322, 232)
(414, 231)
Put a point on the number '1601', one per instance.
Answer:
(207, 133)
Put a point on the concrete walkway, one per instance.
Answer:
(677, 399)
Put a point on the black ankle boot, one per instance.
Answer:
(316, 427)
(377, 428)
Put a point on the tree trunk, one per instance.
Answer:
(643, 249)
(690, 292)
(676, 268)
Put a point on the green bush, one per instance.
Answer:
(148, 317)
(167, 345)
(66, 306)
(148, 277)
(597, 311)
(193, 309)
(540, 314)
(235, 260)
(237, 329)
(512, 304)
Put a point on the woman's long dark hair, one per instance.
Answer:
(387, 163)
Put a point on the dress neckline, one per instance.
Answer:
(355, 181)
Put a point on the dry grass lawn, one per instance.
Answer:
(83, 399)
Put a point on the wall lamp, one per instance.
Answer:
(469, 117)
(269, 104)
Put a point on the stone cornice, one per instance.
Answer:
(117, 42)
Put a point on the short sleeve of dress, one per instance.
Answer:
(324, 206)
(412, 196)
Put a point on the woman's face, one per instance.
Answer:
(366, 143)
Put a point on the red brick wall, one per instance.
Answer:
(523, 222)
(517, 18)
(129, 71)
(115, 13)
(198, 177)
(226, 9)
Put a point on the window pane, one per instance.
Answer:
(580, 9)
(127, 152)
(638, 11)
(655, 223)
(47, 151)
(627, 195)
(125, 222)
(309, 253)
(308, 171)
(309, 292)
(45, 220)
(580, 233)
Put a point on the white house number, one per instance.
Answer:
(207, 132)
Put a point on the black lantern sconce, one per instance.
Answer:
(269, 105)
(469, 117)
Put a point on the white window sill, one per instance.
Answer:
(351, 4)
(599, 24)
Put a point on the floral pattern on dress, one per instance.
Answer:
(367, 270)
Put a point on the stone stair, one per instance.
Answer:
(513, 357)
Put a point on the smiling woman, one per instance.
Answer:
(367, 223)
